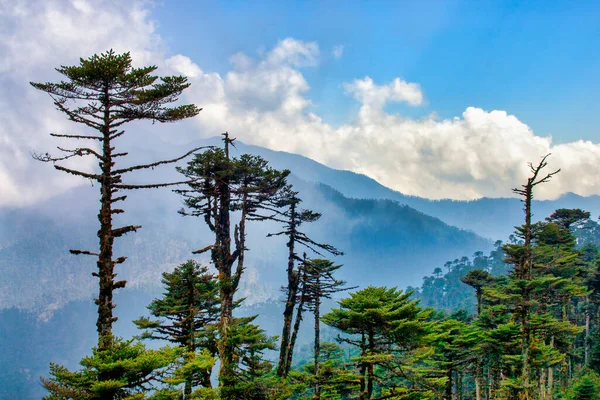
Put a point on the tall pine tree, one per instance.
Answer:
(104, 93)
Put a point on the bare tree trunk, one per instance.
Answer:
(363, 369)
(317, 349)
(550, 382)
(292, 290)
(290, 351)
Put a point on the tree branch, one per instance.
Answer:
(137, 167)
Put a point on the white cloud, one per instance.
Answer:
(294, 53)
(337, 51)
(36, 37)
(263, 100)
(375, 96)
(478, 154)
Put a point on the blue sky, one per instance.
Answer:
(460, 94)
(538, 60)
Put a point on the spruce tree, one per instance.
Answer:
(387, 327)
(218, 186)
(104, 93)
(293, 217)
(320, 284)
(186, 315)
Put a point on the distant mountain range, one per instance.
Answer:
(397, 236)
(493, 218)
(388, 239)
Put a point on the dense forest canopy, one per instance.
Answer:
(522, 322)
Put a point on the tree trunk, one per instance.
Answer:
(290, 351)
(363, 369)
(191, 340)
(543, 394)
(449, 384)
(371, 375)
(222, 259)
(292, 291)
(105, 259)
(317, 349)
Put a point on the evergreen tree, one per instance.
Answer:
(126, 370)
(218, 186)
(293, 217)
(387, 327)
(477, 279)
(186, 315)
(521, 256)
(108, 93)
(586, 387)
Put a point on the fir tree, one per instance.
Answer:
(126, 370)
(186, 315)
(293, 217)
(386, 326)
(107, 93)
(218, 186)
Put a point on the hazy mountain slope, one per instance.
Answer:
(381, 239)
(492, 218)
(45, 300)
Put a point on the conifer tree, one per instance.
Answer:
(320, 284)
(251, 370)
(126, 370)
(386, 326)
(186, 315)
(477, 279)
(218, 186)
(521, 256)
(293, 217)
(107, 93)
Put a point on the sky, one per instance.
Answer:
(438, 99)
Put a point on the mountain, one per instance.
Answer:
(46, 312)
(494, 218)
(388, 239)
(381, 239)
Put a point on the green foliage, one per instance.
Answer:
(126, 370)
(134, 92)
(387, 327)
(188, 309)
(584, 387)
(446, 291)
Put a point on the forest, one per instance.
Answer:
(520, 323)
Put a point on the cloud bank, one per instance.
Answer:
(264, 100)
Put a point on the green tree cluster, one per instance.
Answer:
(520, 323)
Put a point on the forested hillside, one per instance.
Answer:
(516, 320)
